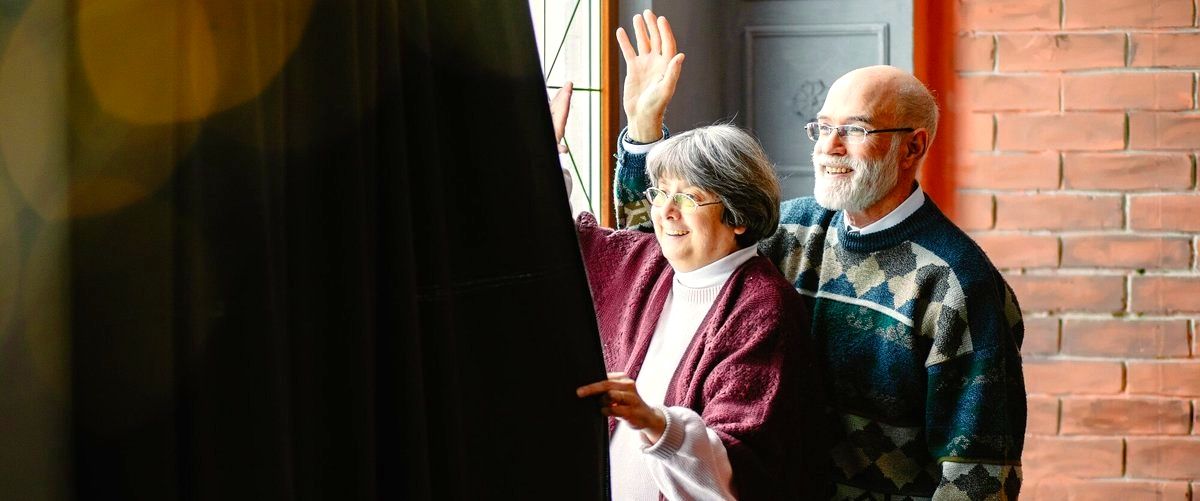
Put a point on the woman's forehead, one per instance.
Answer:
(675, 184)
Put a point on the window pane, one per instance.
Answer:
(568, 40)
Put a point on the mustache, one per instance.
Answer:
(832, 161)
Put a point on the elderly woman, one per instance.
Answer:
(705, 340)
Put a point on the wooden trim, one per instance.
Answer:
(610, 106)
(933, 64)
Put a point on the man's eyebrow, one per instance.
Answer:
(856, 118)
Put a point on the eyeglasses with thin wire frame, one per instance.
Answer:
(685, 202)
(853, 134)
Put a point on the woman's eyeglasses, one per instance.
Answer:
(685, 202)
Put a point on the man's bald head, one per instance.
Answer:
(890, 96)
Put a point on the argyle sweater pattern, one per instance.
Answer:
(920, 338)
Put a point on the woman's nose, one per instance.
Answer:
(671, 210)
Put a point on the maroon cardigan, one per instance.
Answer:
(748, 372)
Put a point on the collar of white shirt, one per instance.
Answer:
(893, 218)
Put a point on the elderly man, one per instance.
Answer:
(918, 333)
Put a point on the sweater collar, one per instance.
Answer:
(904, 230)
(715, 273)
(895, 217)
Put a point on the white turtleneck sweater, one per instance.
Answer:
(689, 461)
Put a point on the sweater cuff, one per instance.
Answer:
(671, 440)
(631, 146)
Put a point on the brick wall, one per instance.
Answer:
(1076, 140)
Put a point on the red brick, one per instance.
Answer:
(1164, 212)
(1125, 172)
(1150, 130)
(1058, 212)
(1073, 457)
(974, 211)
(974, 52)
(1172, 379)
(1196, 255)
(1090, 131)
(1017, 250)
(1072, 376)
(1084, 293)
(1058, 488)
(1041, 336)
(1042, 416)
(1125, 416)
(1124, 13)
(1195, 417)
(1118, 91)
(998, 15)
(1165, 49)
(1009, 172)
(1165, 458)
(1125, 338)
(1126, 251)
(1157, 294)
(979, 132)
(1006, 92)
(1036, 52)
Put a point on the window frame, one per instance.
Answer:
(603, 158)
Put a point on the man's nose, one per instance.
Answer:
(832, 144)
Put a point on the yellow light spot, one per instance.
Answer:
(163, 61)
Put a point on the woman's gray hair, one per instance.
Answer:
(726, 161)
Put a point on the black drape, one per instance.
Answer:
(360, 282)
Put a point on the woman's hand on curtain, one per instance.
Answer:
(652, 73)
(560, 107)
(619, 398)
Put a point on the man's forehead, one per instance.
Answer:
(860, 105)
(843, 118)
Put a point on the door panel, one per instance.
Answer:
(789, 52)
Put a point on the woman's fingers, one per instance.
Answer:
(619, 382)
(593, 389)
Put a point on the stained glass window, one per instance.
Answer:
(569, 38)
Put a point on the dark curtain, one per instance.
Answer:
(340, 265)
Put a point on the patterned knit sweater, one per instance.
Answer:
(919, 337)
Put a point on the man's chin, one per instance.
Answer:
(828, 201)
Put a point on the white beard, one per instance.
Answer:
(872, 179)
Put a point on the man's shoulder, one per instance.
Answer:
(954, 246)
(953, 258)
(804, 211)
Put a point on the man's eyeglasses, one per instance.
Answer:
(850, 133)
(685, 202)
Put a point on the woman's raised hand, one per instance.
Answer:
(652, 72)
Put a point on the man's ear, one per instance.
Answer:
(915, 148)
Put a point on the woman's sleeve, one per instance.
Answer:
(756, 395)
(689, 460)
